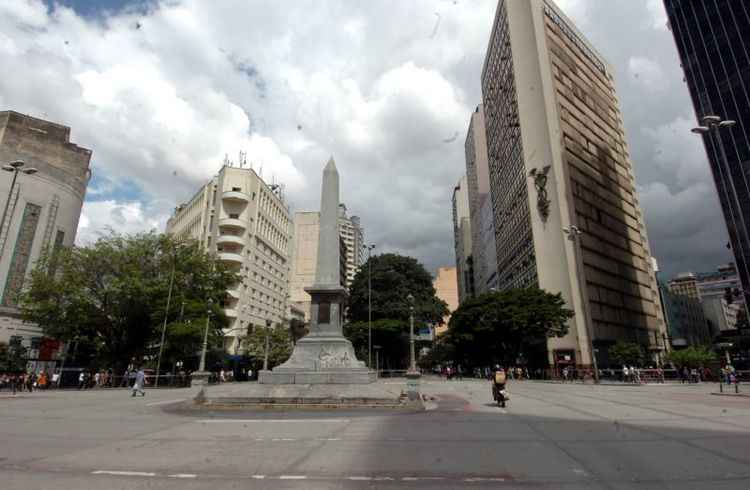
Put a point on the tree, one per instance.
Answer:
(692, 357)
(627, 353)
(394, 278)
(111, 296)
(12, 356)
(499, 326)
(279, 346)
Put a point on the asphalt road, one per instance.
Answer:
(550, 436)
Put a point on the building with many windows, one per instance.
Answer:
(714, 47)
(42, 213)
(352, 234)
(462, 240)
(246, 223)
(446, 288)
(564, 204)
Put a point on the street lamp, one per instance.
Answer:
(369, 304)
(202, 365)
(265, 353)
(711, 126)
(166, 314)
(574, 234)
(15, 166)
(412, 360)
(377, 360)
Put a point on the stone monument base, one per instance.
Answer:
(320, 359)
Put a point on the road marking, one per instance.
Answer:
(183, 475)
(122, 473)
(165, 402)
(258, 477)
(270, 421)
(292, 477)
(360, 478)
(328, 439)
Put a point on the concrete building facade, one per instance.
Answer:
(686, 322)
(246, 223)
(304, 252)
(43, 209)
(462, 239)
(722, 299)
(446, 288)
(558, 160)
(483, 251)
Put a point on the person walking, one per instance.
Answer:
(140, 381)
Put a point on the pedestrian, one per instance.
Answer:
(140, 381)
(56, 379)
(81, 380)
(565, 374)
(625, 373)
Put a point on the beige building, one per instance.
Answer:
(462, 239)
(304, 253)
(446, 288)
(245, 222)
(43, 208)
(564, 201)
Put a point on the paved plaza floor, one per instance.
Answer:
(550, 436)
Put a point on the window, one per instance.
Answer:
(237, 189)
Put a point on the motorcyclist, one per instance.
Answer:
(498, 384)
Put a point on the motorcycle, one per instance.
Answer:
(500, 394)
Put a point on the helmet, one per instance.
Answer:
(497, 366)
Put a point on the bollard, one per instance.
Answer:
(736, 387)
(721, 387)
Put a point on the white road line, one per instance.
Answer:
(270, 421)
(122, 473)
(165, 402)
(360, 478)
(258, 477)
(292, 477)
(183, 475)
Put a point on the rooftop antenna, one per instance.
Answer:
(227, 162)
(243, 159)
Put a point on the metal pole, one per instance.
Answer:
(377, 363)
(413, 366)
(574, 235)
(369, 307)
(7, 201)
(265, 354)
(164, 327)
(202, 365)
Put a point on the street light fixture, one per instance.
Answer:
(369, 304)
(166, 315)
(412, 360)
(574, 233)
(202, 365)
(15, 166)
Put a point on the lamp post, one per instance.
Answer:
(265, 353)
(573, 235)
(202, 365)
(15, 166)
(377, 360)
(369, 304)
(166, 314)
(712, 124)
(412, 359)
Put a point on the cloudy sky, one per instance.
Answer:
(162, 91)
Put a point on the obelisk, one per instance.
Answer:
(325, 355)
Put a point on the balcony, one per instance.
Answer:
(232, 257)
(232, 223)
(233, 293)
(236, 196)
(230, 312)
(231, 240)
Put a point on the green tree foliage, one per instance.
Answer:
(627, 353)
(394, 277)
(111, 296)
(12, 356)
(498, 326)
(279, 346)
(692, 357)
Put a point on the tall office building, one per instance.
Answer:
(352, 233)
(43, 209)
(483, 251)
(245, 222)
(462, 240)
(721, 297)
(686, 323)
(304, 253)
(446, 288)
(714, 47)
(566, 214)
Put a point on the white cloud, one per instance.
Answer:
(657, 15)
(648, 73)
(123, 217)
(679, 152)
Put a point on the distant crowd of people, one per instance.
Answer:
(29, 382)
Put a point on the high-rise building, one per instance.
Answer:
(483, 252)
(41, 210)
(446, 288)
(714, 47)
(352, 234)
(722, 299)
(304, 253)
(686, 323)
(245, 222)
(462, 240)
(566, 214)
